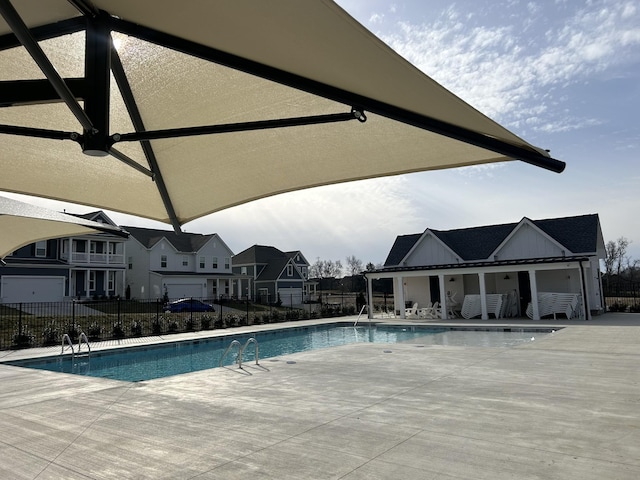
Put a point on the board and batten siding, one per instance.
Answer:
(529, 242)
(430, 251)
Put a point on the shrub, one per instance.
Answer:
(117, 331)
(136, 328)
(172, 325)
(22, 338)
(50, 334)
(618, 307)
(189, 324)
(95, 331)
(156, 325)
(205, 322)
(73, 330)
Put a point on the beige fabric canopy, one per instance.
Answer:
(22, 224)
(281, 90)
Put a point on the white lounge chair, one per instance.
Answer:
(411, 312)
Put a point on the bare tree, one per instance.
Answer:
(354, 265)
(616, 256)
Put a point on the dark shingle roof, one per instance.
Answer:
(400, 248)
(183, 242)
(258, 255)
(577, 234)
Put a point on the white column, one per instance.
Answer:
(534, 295)
(444, 308)
(483, 296)
(399, 296)
(369, 298)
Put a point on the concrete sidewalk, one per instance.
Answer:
(562, 407)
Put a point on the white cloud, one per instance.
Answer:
(505, 72)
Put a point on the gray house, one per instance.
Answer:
(180, 265)
(267, 274)
(534, 268)
(82, 266)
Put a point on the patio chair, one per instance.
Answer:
(433, 311)
(411, 312)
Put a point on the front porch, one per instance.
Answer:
(515, 289)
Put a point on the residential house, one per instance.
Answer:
(85, 266)
(267, 274)
(521, 260)
(178, 265)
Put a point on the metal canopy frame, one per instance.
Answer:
(102, 60)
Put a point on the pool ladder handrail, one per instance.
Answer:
(359, 315)
(241, 351)
(257, 350)
(235, 342)
(81, 338)
(67, 338)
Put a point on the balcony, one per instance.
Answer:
(85, 258)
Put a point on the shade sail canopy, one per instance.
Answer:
(173, 110)
(22, 224)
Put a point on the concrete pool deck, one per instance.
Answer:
(564, 406)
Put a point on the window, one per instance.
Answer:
(243, 270)
(214, 263)
(185, 261)
(92, 281)
(163, 261)
(111, 281)
(41, 248)
(129, 263)
(305, 274)
(227, 263)
(289, 270)
(111, 246)
(202, 263)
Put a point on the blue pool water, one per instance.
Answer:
(155, 361)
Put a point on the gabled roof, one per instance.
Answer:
(273, 260)
(182, 242)
(292, 255)
(273, 269)
(258, 255)
(401, 247)
(577, 234)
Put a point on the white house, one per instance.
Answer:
(524, 264)
(180, 265)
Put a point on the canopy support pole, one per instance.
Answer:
(98, 75)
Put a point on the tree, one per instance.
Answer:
(326, 269)
(616, 256)
(354, 267)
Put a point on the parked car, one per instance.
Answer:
(188, 305)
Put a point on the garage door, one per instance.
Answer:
(32, 289)
(290, 296)
(186, 290)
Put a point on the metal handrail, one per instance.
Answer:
(238, 358)
(68, 339)
(361, 310)
(255, 342)
(86, 341)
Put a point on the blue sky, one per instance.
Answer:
(564, 75)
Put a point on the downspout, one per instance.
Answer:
(587, 310)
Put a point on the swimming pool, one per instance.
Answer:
(135, 364)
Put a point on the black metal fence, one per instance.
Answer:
(26, 325)
(621, 295)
